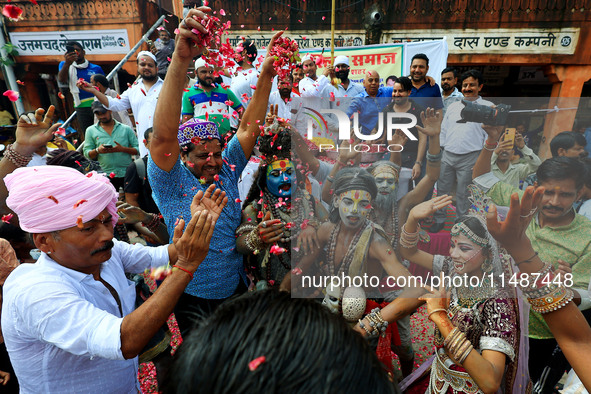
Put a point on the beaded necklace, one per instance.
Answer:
(348, 259)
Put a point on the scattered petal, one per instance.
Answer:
(12, 95)
(254, 364)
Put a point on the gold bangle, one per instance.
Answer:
(437, 310)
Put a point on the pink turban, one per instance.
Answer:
(53, 198)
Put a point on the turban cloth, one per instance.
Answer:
(52, 198)
(148, 54)
(197, 129)
(352, 178)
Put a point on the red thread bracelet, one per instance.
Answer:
(183, 269)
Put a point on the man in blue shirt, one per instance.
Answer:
(74, 67)
(177, 173)
(370, 103)
(419, 66)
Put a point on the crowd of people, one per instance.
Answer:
(216, 193)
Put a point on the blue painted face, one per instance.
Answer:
(281, 178)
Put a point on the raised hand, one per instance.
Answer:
(267, 67)
(213, 200)
(431, 120)
(494, 132)
(83, 85)
(345, 155)
(270, 230)
(192, 245)
(428, 208)
(511, 232)
(519, 141)
(272, 114)
(188, 44)
(398, 138)
(35, 130)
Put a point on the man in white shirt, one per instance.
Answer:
(346, 88)
(463, 143)
(313, 85)
(246, 74)
(141, 97)
(68, 320)
(102, 84)
(282, 97)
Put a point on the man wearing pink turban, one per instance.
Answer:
(68, 320)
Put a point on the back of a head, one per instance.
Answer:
(587, 166)
(566, 140)
(100, 78)
(306, 349)
(561, 168)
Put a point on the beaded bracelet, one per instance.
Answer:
(18, 159)
(154, 223)
(378, 324)
(362, 325)
(245, 228)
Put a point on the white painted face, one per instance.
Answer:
(331, 299)
(354, 207)
(386, 183)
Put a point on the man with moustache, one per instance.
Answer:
(559, 235)
(419, 67)
(282, 97)
(209, 101)
(163, 49)
(69, 320)
(141, 97)
(450, 93)
(313, 85)
(297, 74)
(110, 143)
(185, 159)
(370, 103)
(462, 143)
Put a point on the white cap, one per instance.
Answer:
(341, 60)
(148, 54)
(307, 56)
(201, 63)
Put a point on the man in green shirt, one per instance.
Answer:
(558, 234)
(209, 101)
(111, 143)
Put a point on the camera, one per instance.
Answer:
(376, 16)
(492, 116)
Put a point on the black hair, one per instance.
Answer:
(302, 346)
(477, 75)
(421, 56)
(72, 159)
(147, 133)
(587, 166)
(473, 224)
(405, 82)
(100, 78)
(391, 77)
(351, 178)
(74, 43)
(450, 70)
(560, 168)
(566, 140)
(251, 50)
